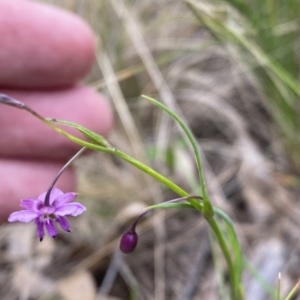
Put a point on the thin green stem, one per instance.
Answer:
(278, 287)
(234, 266)
(292, 293)
(221, 241)
(237, 251)
(218, 267)
(207, 207)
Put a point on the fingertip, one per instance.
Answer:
(98, 115)
(43, 46)
(24, 136)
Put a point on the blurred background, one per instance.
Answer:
(230, 68)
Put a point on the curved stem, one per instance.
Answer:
(234, 266)
(207, 207)
(47, 197)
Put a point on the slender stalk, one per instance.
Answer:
(234, 267)
(47, 197)
(278, 287)
(207, 207)
(154, 174)
(133, 225)
(237, 251)
(218, 267)
(292, 293)
(221, 241)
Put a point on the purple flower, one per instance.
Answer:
(45, 216)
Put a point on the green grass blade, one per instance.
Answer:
(207, 207)
(293, 292)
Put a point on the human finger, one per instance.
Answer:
(42, 46)
(23, 136)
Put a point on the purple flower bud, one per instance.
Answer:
(129, 241)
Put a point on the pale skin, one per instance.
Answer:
(44, 53)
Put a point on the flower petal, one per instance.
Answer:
(70, 209)
(31, 204)
(49, 224)
(55, 193)
(23, 216)
(39, 229)
(65, 198)
(63, 222)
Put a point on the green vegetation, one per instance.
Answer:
(264, 35)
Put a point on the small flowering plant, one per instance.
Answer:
(45, 215)
(54, 206)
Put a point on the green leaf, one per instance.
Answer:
(293, 292)
(207, 207)
(171, 205)
(92, 136)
